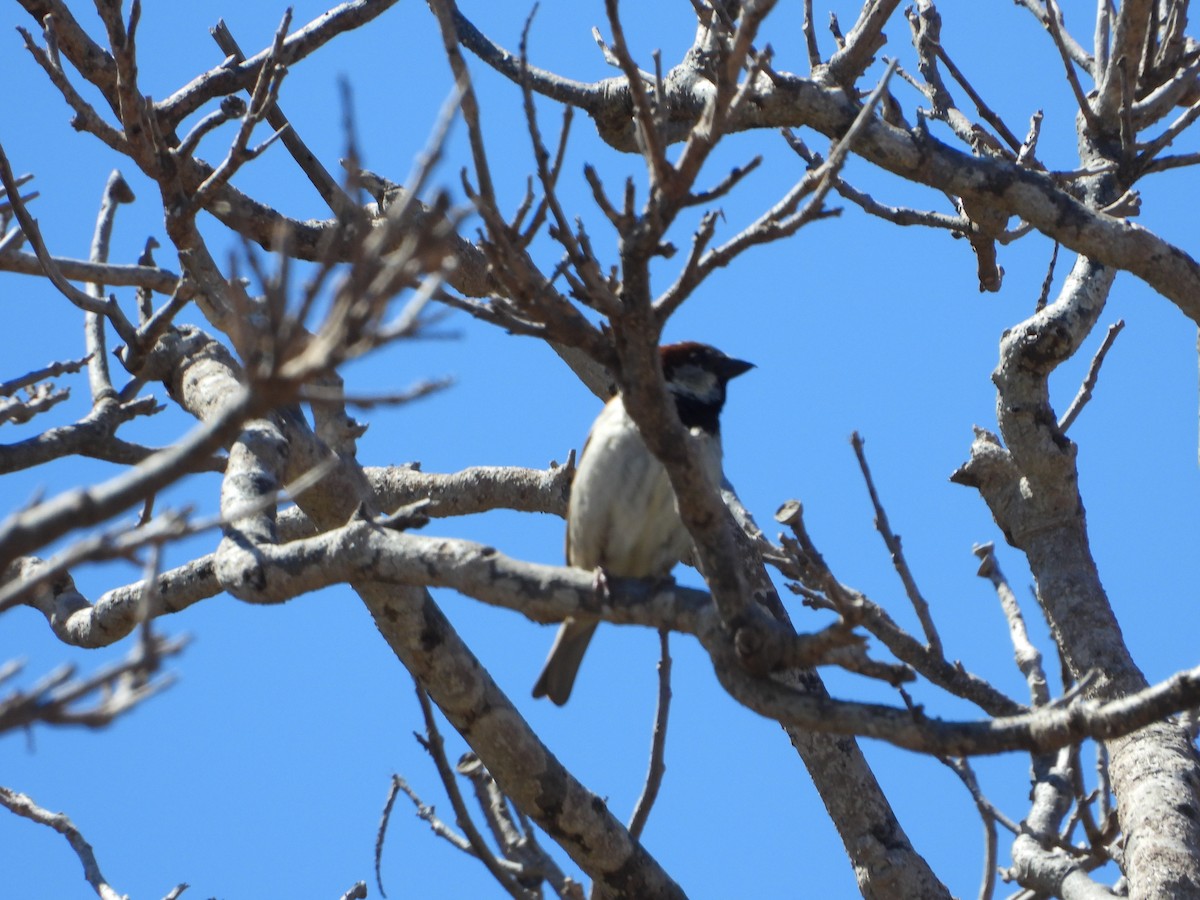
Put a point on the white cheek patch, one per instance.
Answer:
(694, 381)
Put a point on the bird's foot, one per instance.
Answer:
(600, 583)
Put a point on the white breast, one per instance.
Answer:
(622, 513)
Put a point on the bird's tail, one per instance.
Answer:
(562, 665)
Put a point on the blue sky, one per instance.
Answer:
(262, 772)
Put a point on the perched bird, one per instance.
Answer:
(622, 518)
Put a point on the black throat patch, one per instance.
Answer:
(697, 413)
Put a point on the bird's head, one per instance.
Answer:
(696, 376)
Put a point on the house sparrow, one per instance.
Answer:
(622, 518)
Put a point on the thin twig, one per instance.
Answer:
(583, 262)
(926, 25)
(822, 590)
(262, 100)
(116, 191)
(23, 805)
(8, 388)
(381, 831)
(1027, 154)
(897, 215)
(989, 815)
(1047, 282)
(1089, 382)
(155, 325)
(856, 50)
(810, 36)
(36, 527)
(1164, 140)
(433, 744)
(1083, 804)
(226, 79)
(1100, 40)
(1175, 161)
(1052, 25)
(649, 139)
(337, 199)
(781, 220)
(86, 118)
(985, 111)
(1073, 48)
(1029, 658)
(658, 743)
(313, 393)
(513, 832)
(892, 541)
(111, 691)
(80, 298)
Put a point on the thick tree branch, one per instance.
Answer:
(547, 593)
(1033, 490)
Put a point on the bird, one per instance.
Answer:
(622, 516)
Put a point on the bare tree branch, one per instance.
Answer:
(658, 743)
(1089, 381)
(892, 541)
(23, 805)
(93, 701)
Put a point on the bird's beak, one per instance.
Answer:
(732, 368)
